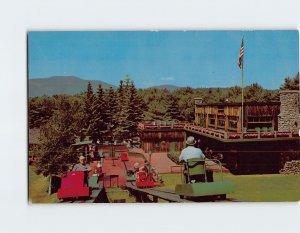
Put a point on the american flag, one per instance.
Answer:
(241, 56)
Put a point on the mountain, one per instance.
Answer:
(59, 85)
(166, 86)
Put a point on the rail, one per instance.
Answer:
(162, 126)
(94, 197)
(156, 193)
(237, 136)
(216, 161)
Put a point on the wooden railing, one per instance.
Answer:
(229, 135)
(162, 126)
(220, 133)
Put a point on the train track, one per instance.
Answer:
(167, 195)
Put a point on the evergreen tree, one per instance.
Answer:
(99, 116)
(121, 125)
(173, 112)
(291, 83)
(135, 111)
(88, 108)
(111, 112)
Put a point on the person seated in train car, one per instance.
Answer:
(83, 166)
(136, 167)
(191, 152)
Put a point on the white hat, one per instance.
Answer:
(190, 141)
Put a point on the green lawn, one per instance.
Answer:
(38, 186)
(263, 188)
(115, 194)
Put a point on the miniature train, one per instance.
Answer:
(198, 183)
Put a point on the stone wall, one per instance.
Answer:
(289, 117)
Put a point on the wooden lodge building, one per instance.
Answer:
(162, 137)
(269, 136)
(227, 116)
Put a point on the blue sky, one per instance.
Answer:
(182, 58)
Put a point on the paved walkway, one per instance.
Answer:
(162, 163)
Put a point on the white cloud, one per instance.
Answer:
(167, 78)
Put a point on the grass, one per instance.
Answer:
(116, 194)
(38, 186)
(257, 188)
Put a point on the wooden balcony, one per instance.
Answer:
(248, 136)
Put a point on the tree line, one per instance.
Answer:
(105, 111)
(104, 115)
(108, 115)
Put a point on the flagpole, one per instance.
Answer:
(241, 66)
(242, 123)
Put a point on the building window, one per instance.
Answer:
(232, 123)
(260, 123)
(212, 120)
(202, 119)
(221, 122)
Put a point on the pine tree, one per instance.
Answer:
(88, 108)
(121, 128)
(291, 83)
(173, 112)
(99, 116)
(111, 104)
(135, 111)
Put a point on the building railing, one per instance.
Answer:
(219, 133)
(162, 126)
(230, 135)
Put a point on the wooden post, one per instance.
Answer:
(226, 123)
(206, 121)
(238, 127)
(50, 185)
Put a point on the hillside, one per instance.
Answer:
(58, 85)
(166, 86)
